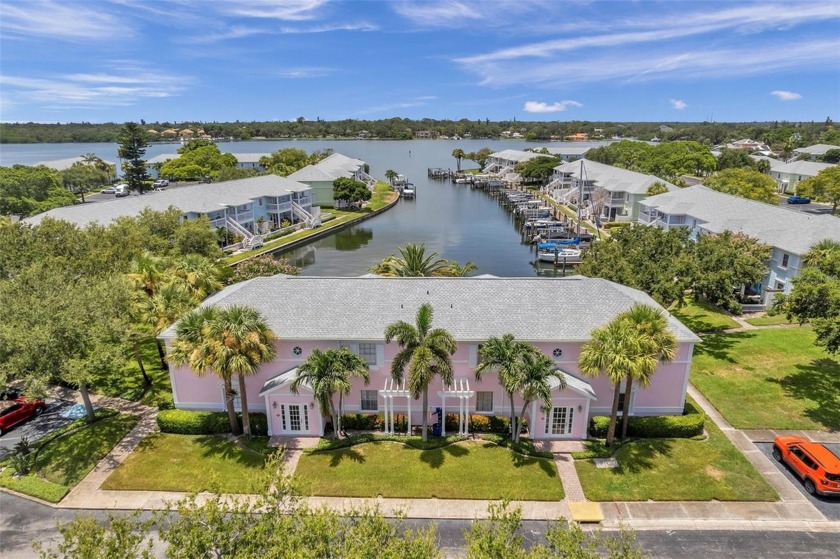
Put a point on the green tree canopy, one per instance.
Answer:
(735, 158)
(668, 160)
(538, 168)
(80, 178)
(725, 262)
(288, 160)
(28, 190)
(350, 191)
(824, 187)
(198, 162)
(745, 182)
(657, 188)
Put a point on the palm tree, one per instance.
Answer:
(194, 346)
(201, 276)
(328, 372)
(391, 174)
(456, 270)
(242, 341)
(413, 262)
(612, 350)
(147, 272)
(458, 154)
(536, 371)
(825, 256)
(505, 356)
(656, 341)
(170, 302)
(424, 354)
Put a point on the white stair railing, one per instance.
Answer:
(303, 215)
(235, 227)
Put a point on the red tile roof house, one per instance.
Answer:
(555, 314)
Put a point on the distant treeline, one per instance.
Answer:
(776, 134)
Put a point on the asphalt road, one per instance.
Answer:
(812, 208)
(23, 522)
(36, 428)
(829, 506)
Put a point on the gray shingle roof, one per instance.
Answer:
(472, 309)
(809, 168)
(250, 157)
(312, 173)
(62, 164)
(613, 179)
(571, 150)
(279, 380)
(162, 158)
(201, 198)
(789, 230)
(515, 155)
(816, 149)
(574, 383)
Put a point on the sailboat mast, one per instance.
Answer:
(580, 197)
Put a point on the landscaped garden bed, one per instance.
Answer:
(65, 457)
(676, 470)
(463, 470)
(166, 462)
(769, 379)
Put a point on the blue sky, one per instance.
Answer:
(176, 60)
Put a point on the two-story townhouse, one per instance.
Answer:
(321, 175)
(789, 175)
(557, 315)
(505, 161)
(242, 202)
(624, 189)
(250, 160)
(790, 233)
(571, 153)
(153, 164)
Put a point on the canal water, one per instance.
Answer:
(452, 220)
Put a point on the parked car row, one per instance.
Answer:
(121, 189)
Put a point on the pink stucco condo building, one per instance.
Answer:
(556, 314)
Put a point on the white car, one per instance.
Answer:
(160, 184)
(109, 190)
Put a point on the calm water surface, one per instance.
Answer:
(456, 222)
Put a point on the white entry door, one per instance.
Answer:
(294, 419)
(559, 421)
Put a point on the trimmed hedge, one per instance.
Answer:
(190, 422)
(375, 422)
(616, 224)
(685, 426)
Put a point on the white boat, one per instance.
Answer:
(560, 255)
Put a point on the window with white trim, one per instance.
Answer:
(785, 260)
(484, 401)
(370, 400)
(368, 353)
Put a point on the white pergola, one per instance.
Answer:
(393, 390)
(460, 388)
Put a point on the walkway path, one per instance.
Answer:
(562, 451)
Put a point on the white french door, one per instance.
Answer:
(559, 421)
(294, 419)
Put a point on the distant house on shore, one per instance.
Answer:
(578, 137)
(64, 164)
(812, 153)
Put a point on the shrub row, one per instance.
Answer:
(616, 224)
(375, 422)
(189, 422)
(685, 426)
(414, 442)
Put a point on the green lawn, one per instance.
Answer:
(128, 383)
(676, 470)
(768, 320)
(700, 316)
(65, 460)
(466, 470)
(164, 462)
(774, 378)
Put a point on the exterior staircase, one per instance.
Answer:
(249, 240)
(309, 220)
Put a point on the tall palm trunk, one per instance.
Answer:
(334, 416)
(231, 411)
(146, 380)
(513, 430)
(426, 415)
(625, 412)
(162, 354)
(521, 421)
(613, 415)
(340, 409)
(83, 389)
(243, 398)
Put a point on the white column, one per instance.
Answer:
(466, 415)
(390, 415)
(385, 402)
(443, 409)
(269, 414)
(460, 415)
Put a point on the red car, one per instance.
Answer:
(816, 465)
(14, 412)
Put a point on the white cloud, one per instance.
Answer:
(326, 28)
(407, 104)
(67, 21)
(287, 10)
(303, 72)
(129, 85)
(678, 104)
(541, 107)
(438, 14)
(786, 95)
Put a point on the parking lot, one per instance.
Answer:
(36, 428)
(829, 506)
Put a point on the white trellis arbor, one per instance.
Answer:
(392, 390)
(460, 388)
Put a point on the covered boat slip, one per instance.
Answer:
(298, 414)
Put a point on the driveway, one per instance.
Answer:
(36, 428)
(812, 208)
(829, 506)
